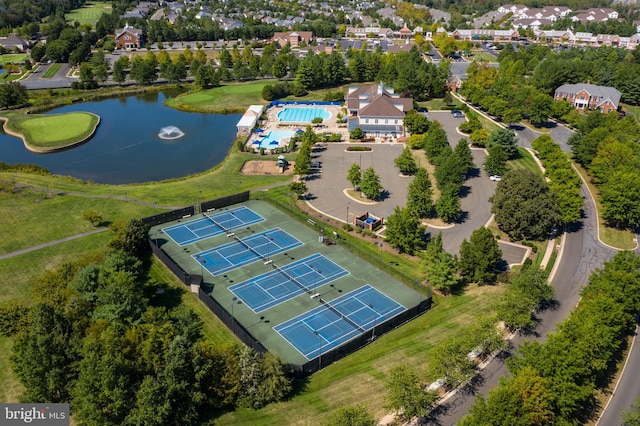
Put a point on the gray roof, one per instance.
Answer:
(603, 92)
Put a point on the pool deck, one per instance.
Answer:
(273, 123)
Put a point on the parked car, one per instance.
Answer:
(495, 178)
(457, 113)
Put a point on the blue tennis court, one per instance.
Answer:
(199, 229)
(243, 251)
(302, 276)
(332, 324)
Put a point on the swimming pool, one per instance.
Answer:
(302, 115)
(273, 138)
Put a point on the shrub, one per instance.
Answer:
(317, 120)
(357, 133)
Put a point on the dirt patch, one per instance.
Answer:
(254, 168)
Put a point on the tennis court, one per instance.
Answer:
(211, 225)
(338, 321)
(243, 251)
(303, 276)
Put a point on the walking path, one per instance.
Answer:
(51, 243)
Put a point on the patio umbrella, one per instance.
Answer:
(259, 130)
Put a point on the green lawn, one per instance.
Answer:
(526, 161)
(54, 131)
(89, 13)
(9, 58)
(227, 98)
(481, 56)
(359, 378)
(439, 104)
(48, 219)
(52, 70)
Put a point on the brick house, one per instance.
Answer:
(294, 38)
(589, 96)
(129, 38)
(377, 110)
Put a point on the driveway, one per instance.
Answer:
(60, 79)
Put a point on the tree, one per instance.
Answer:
(298, 188)
(435, 142)
(406, 394)
(521, 400)
(119, 73)
(496, 161)
(357, 415)
(354, 175)
(406, 163)
(448, 204)
(419, 197)
(370, 184)
(523, 205)
(439, 267)
(357, 133)
(505, 138)
(631, 417)
(225, 58)
(620, 199)
(527, 291)
(130, 237)
(94, 217)
(480, 256)
(416, 122)
(450, 361)
(404, 231)
(540, 109)
(13, 94)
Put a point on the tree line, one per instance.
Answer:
(556, 382)
(99, 336)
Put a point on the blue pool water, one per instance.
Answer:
(302, 115)
(273, 138)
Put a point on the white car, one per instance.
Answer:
(495, 178)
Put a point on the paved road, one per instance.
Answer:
(627, 390)
(582, 254)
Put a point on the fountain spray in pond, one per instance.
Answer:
(170, 133)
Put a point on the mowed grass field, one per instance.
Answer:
(13, 57)
(89, 13)
(482, 56)
(30, 217)
(54, 131)
(228, 97)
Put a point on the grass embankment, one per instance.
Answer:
(52, 70)
(89, 13)
(224, 179)
(223, 99)
(439, 104)
(622, 239)
(359, 378)
(45, 133)
(526, 161)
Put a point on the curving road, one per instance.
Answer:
(582, 254)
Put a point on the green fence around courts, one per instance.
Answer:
(256, 329)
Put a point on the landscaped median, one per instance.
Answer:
(51, 133)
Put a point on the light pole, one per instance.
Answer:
(233, 321)
(375, 318)
(315, 277)
(347, 213)
(321, 348)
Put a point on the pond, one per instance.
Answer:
(138, 140)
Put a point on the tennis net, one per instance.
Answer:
(216, 223)
(343, 316)
(251, 249)
(290, 278)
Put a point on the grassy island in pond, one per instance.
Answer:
(49, 133)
